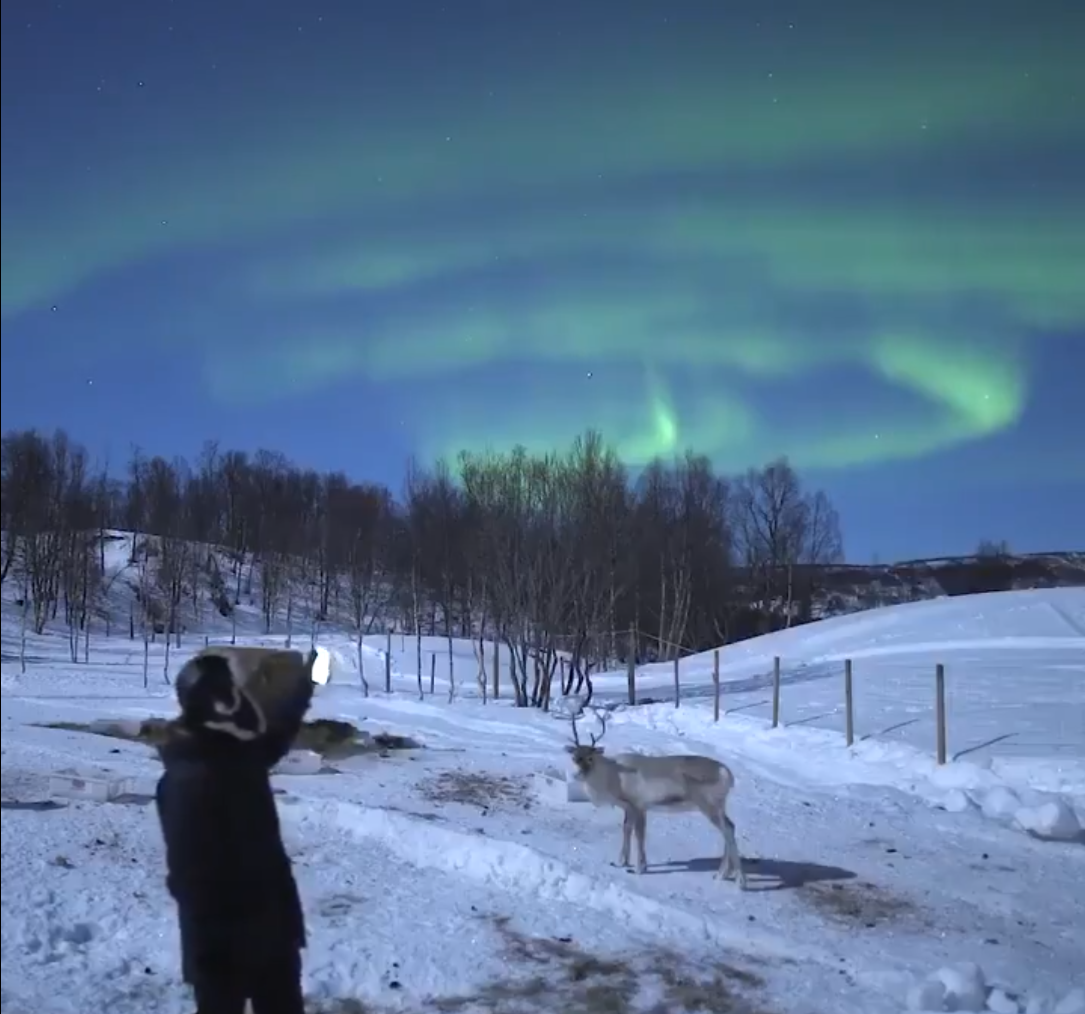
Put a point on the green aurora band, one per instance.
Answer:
(572, 170)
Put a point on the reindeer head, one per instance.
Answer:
(585, 755)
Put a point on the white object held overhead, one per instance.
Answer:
(321, 672)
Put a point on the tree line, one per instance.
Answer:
(565, 552)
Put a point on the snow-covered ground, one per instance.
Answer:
(460, 876)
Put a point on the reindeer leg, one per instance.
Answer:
(627, 831)
(640, 827)
(732, 856)
(730, 862)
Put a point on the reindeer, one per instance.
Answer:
(675, 783)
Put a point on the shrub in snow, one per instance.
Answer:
(1054, 819)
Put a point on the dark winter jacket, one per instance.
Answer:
(227, 869)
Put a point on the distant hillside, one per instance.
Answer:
(221, 594)
(846, 588)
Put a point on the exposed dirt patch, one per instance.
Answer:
(34, 805)
(347, 1006)
(858, 902)
(544, 975)
(563, 975)
(351, 1005)
(330, 738)
(335, 739)
(433, 818)
(474, 788)
(327, 737)
(152, 731)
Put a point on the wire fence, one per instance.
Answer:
(955, 709)
(952, 710)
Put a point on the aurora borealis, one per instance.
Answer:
(853, 233)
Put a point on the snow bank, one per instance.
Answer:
(524, 870)
(964, 987)
(1004, 794)
(1049, 817)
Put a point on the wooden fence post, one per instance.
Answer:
(631, 667)
(776, 691)
(388, 662)
(849, 714)
(677, 685)
(497, 670)
(940, 709)
(432, 671)
(716, 685)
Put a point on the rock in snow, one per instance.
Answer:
(956, 801)
(963, 987)
(999, 1001)
(1054, 819)
(959, 987)
(1072, 1003)
(966, 987)
(1000, 803)
(928, 995)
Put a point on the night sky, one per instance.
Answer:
(852, 233)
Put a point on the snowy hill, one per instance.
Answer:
(1014, 666)
(222, 594)
(460, 875)
(226, 595)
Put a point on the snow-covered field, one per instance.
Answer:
(460, 876)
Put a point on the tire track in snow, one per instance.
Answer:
(1077, 626)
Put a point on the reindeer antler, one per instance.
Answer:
(602, 717)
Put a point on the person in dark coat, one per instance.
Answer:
(242, 927)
